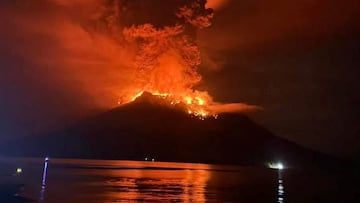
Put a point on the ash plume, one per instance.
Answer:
(113, 49)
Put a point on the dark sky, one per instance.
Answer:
(299, 60)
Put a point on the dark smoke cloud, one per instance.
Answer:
(245, 24)
(298, 59)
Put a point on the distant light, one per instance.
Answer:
(153, 160)
(278, 166)
(146, 158)
(19, 170)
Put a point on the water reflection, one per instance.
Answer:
(158, 185)
(280, 188)
(42, 193)
(43, 182)
(100, 181)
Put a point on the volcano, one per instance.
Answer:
(149, 127)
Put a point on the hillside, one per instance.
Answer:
(149, 127)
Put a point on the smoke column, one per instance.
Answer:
(107, 51)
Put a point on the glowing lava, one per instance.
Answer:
(195, 104)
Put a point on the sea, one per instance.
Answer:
(111, 181)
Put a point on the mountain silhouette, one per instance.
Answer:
(150, 128)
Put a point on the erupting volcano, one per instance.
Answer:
(143, 56)
(166, 60)
(114, 50)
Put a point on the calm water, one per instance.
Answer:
(95, 181)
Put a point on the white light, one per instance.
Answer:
(278, 165)
(19, 170)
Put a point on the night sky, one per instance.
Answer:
(299, 60)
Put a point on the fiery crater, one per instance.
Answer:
(196, 104)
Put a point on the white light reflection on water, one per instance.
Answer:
(280, 188)
(43, 182)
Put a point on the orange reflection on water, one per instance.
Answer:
(151, 183)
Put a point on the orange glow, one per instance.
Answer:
(137, 95)
(194, 102)
(143, 184)
(166, 59)
(198, 103)
(111, 59)
(188, 100)
(161, 94)
(216, 4)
